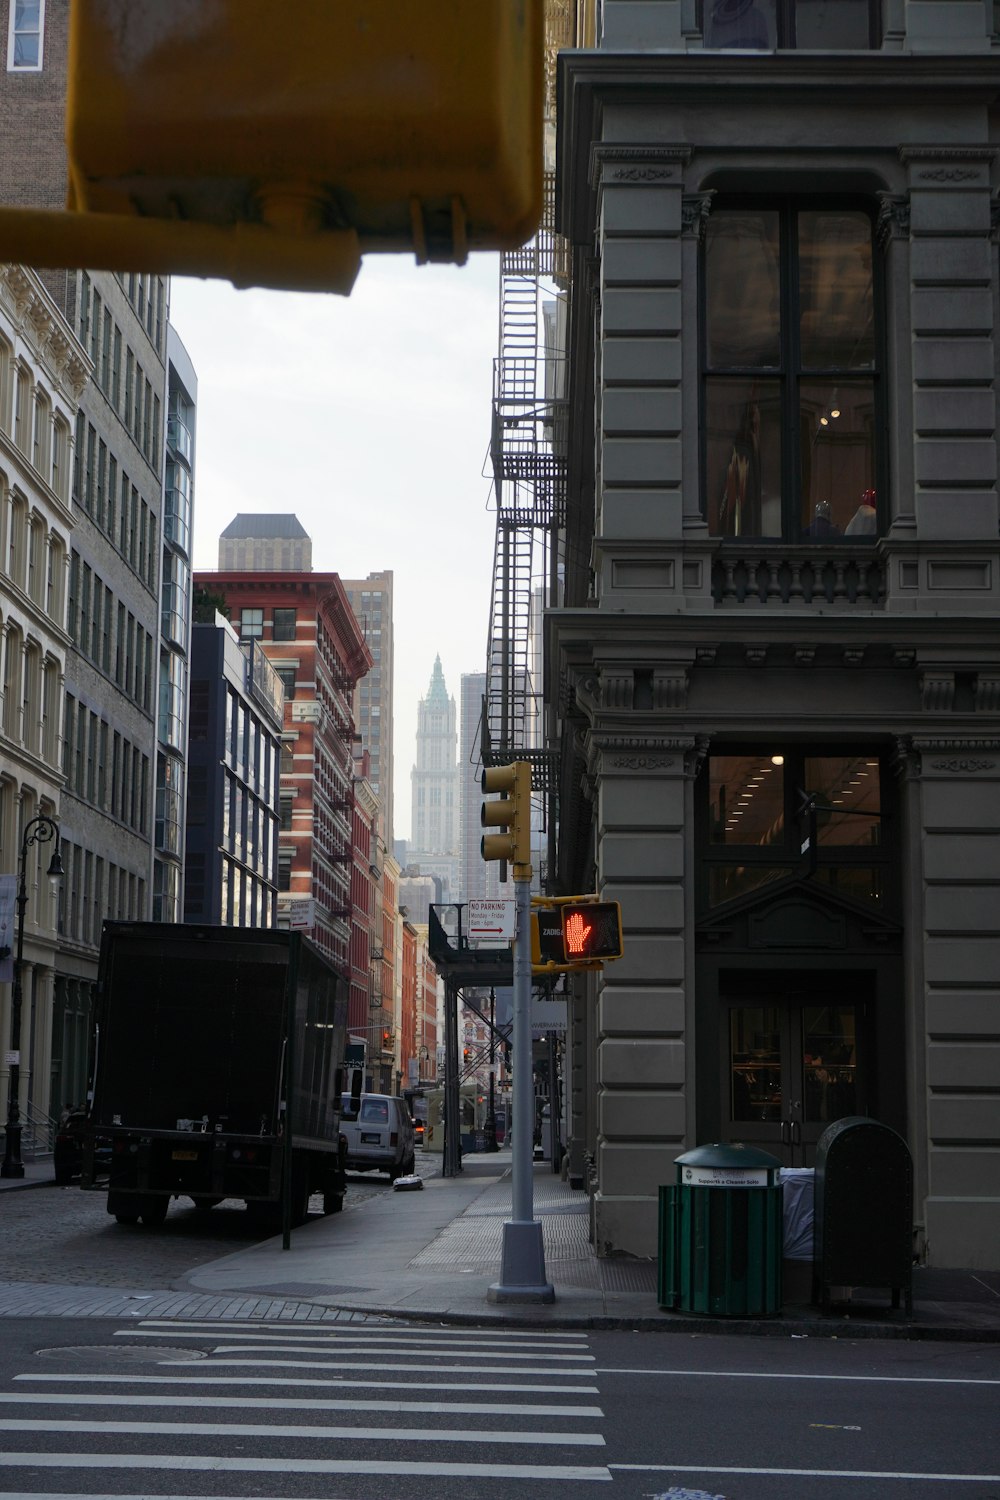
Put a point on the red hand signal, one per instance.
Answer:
(577, 933)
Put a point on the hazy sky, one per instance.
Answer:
(368, 417)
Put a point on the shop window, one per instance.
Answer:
(828, 25)
(791, 394)
(774, 816)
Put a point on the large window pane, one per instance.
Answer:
(743, 421)
(837, 441)
(835, 291)
(849, 796)
(840, 25)
(746, 799)
(742, 275)
(740, 23)
(755, 1062)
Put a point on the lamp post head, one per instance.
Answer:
(55, 870)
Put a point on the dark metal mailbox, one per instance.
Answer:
(863, 1210)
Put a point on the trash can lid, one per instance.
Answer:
(727, 1154)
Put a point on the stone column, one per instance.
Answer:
(639, 506)
(641, 813)
(957, 1017)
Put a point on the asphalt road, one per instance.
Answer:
(384, 1410)
(64, 1236)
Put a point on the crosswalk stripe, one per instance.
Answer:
(284, 1403)
(360, 1364)
(273, 1430)
(427, 1348)
(327, 1382)
(381, 1335)
(228, 1464)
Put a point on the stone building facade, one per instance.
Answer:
(773, 676)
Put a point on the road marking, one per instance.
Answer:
(334, 1381)
(355, 1345)
(272, 1430)
(768, 1375)
(225, 1464)
(360, 1364)
(285, 1403)
(378, 1334)
(804, 1473)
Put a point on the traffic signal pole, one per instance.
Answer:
(522, 1263)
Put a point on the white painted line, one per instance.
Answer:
(355, 1346)
(361, 1364)
(328, 1434)
(226, 1464)
(410, 1335)
(807, 1473)
(335, 1382)
(285, 1403)
(769, 1375)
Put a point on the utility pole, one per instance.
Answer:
(522, 1266)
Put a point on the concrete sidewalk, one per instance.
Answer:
(433, 1253)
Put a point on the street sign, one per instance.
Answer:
(490, 923)
(301, 913)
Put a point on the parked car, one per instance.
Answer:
(67, 1148)
(379, 1135)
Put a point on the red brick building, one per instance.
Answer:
(308, 631)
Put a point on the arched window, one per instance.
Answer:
(17, 526)
(23, 408)
(60, 458)
(42, 440)
(32, 700)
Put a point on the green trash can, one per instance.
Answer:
(721, 1233)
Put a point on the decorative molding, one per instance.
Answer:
(670, 688)
(963, 766)
(904, 656)
(694, 758)
(637, 164)
(853, 656)
(805, 656)
(618, 688)
(755, 656)
(704, 656)
(893, 221)
(985, 154)
(987, 692)
(937, 691)
(695, 209)
(949, 174)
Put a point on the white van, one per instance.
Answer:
(379, 1136)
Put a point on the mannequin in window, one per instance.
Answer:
(863, 521)
(821, 525)
(735, 23)
(739, 508)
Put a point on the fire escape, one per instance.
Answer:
(528, 453)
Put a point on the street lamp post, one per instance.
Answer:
(38, 830)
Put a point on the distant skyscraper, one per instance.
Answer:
(434, 844)
(271, 543)
(371, 601)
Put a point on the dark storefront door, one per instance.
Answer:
(791, 1063)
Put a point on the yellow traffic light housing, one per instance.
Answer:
(228, 139)
(512, 811)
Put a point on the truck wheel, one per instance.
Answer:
(333, 1203)
(64, 1176)
(154, 1211)
(127, 1218)
(205, 1205)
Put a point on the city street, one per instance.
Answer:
(62, 1235)
(377, 1409)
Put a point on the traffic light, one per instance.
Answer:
(386, 1038)
(511, 811)
(216, 140)
(591, 930)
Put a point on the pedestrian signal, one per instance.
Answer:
(591, 930)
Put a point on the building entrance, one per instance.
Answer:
(793, 1060)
